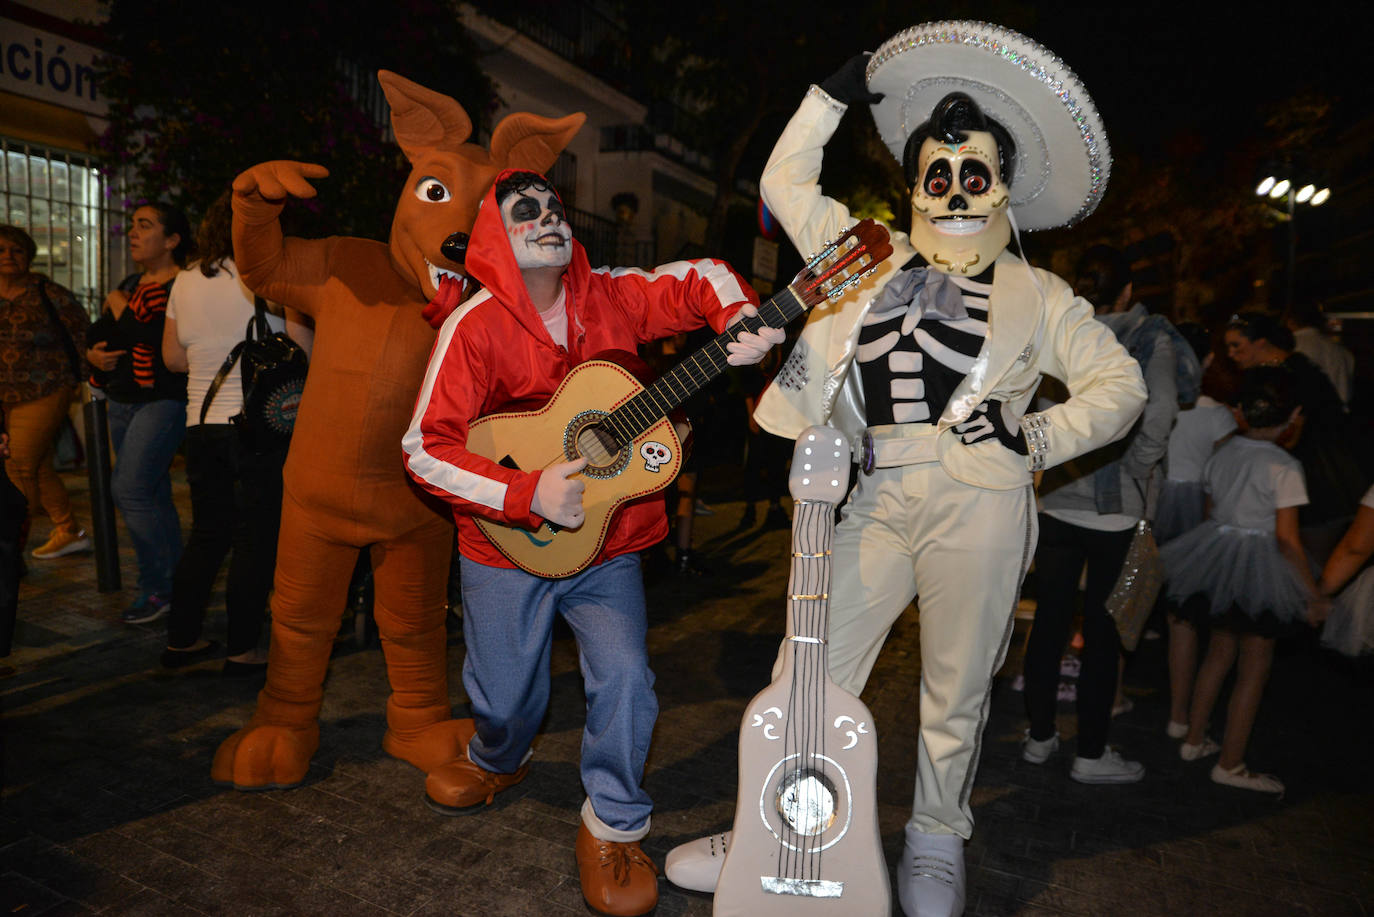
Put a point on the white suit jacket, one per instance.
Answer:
(1035, 326)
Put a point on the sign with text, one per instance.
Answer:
(49, 67)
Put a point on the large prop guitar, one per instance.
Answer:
(631, 446)
(806, 836)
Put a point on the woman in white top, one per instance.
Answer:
(235, 492)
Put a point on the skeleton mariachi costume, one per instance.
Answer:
(929, 372)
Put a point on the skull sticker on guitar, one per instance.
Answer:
(655, 455)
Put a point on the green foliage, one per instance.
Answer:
(197, 94)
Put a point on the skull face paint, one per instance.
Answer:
(959, 204)
(538, 229)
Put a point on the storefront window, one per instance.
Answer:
(58, 198)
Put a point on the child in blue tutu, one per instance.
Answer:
(1248, 564)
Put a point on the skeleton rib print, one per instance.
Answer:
(910, 366)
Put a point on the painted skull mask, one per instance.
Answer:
(537, 227)
(959, 204)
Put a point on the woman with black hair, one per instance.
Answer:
(235, 490)
(147, 401)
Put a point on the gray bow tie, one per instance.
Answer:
(924, 293)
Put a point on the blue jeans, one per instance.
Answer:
(145, 437)
(508, 618)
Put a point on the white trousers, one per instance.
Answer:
(915, 531)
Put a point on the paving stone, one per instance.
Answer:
(108, 807)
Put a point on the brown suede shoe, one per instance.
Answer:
(617, 879)
(462, 787)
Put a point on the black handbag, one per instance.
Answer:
(273, 369)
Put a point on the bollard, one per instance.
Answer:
(102, 501)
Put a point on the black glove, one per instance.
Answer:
(993, 420)
(849, 84)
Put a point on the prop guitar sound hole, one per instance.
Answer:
(585, 437)
(806, 801)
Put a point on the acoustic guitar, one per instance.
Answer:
(805, 839)
(602, 410)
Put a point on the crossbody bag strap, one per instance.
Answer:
(264, 330)
(62, 331)
(225, 368)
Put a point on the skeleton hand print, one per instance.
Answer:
(993, 419)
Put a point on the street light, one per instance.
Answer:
(1275, 188)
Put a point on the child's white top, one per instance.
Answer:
(1194, 436)
(1249, 480)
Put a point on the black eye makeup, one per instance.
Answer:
(974, 176)
(524, 210)
(938, 177)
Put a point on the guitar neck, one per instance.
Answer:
(808, 586)
(693, 374)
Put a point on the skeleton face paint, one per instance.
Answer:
(959, 205)
(538, 229)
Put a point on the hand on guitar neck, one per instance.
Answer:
(558, 497)
(749, 347)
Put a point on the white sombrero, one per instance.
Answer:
(1062, 158)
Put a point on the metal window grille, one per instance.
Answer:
(59, 197)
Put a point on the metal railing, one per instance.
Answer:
(62, 200)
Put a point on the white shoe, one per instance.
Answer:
(1110, 768)
(1176, 730)
(930, 876)
(1204, 749)
(696, 864)
(1241, 778)
(1037, 751)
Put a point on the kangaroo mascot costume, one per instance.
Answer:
(345, 486)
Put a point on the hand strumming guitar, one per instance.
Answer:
(558, 498)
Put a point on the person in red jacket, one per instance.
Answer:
(542, 311)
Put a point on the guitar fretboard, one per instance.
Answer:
(687, 378)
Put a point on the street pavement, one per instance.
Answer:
(108, 808)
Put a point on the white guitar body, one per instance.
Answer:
(805, 837)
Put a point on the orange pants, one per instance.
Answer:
(33, 427)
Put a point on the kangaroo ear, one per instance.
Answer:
(526, 141)
(423, 119)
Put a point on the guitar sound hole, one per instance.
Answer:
(807, 801)
(599, 446)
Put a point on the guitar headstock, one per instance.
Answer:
(842, 263)
(820, 466)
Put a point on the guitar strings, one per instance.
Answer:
(800, 854)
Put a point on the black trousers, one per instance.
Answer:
(235, 506)
(1059, 558)
(14, 512)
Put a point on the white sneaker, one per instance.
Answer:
(1241, 778)
(1110, 768)
(696, 864)
(930, 876)
(1175, 729)
(1037, 751)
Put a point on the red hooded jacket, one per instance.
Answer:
(494, 354)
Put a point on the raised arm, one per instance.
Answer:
(290, 271)
(790, 184)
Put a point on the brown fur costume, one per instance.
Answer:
(345, 485)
